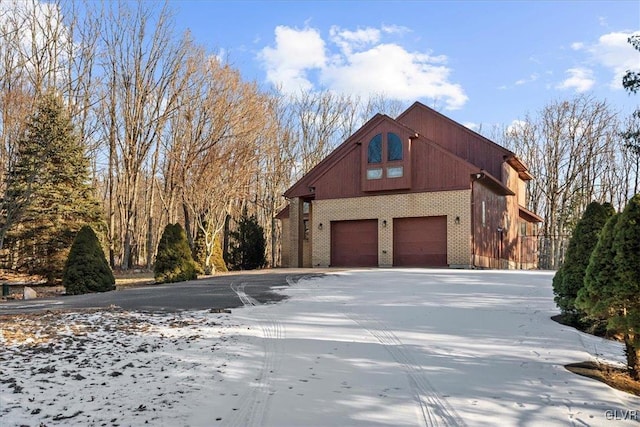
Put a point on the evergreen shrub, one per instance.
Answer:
(87, 269)
(248, 244)
(174, 262)
(570, 278)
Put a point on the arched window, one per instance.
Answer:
(394, 147)
(375, 149)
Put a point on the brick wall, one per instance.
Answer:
(452, 204)
(285, 243)
(294, 232)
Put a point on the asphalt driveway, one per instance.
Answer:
(202, 294)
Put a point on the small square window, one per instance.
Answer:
(374, 173)
(395, 172)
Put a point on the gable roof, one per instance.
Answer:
(303, 187)
(507, 155)
(420, 106)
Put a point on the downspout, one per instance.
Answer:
(475, 177)
(473, 226)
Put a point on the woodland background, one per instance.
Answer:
(174, 134)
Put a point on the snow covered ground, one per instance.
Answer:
(410, 347)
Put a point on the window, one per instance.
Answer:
(374, 173)
(385, 161)
(395, 172)
(375, 149)
(394, 147)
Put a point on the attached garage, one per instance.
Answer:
(354, 243)
(420, 242)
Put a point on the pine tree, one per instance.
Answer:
(50, 183)
(571, 279)
(600, 277)
(174, 262)
(625, 290)
(87, 269)
(247, 250)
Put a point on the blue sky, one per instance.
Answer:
(479, 62)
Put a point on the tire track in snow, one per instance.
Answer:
(256, 405)
(436, 411)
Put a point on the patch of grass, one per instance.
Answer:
(125, 279)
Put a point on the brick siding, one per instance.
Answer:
(451, 204)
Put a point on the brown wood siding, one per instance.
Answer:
(486, 237)
(420, 242)
(431, 169)
(354, 243)
(343, 180)
(456, 138)
(435, 170)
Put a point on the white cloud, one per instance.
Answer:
(472, 126)
(580, 79)
(360, 63)
(353, 40)
(296, 51)
(395, 29)
(532, 78)
(517, 127)
(612, 51)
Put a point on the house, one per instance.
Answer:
(418, 190)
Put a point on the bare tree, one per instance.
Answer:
(142, 63)
(570, 147)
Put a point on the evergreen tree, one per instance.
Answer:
(247, 249)
(631, 79)
(600, 277)
(571, 279)
(174, 262)
(625, 290)
(50, 184)
(87, 269)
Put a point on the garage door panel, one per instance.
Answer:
(354, 243)
(420, 242)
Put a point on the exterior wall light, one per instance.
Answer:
(457, 220)
(384, 222)
(320, 226)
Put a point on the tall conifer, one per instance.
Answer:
(51, 180)
(585, 236)
(625, 292)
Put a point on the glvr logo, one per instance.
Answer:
(620, 415)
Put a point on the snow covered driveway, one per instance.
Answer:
(410, 347)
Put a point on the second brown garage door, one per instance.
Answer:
(354, 243)
(420, 242)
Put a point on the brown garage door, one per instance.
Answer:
(420, 242)
(354, 243)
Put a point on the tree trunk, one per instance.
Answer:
(632, 349)
(225, 240)
(187, 225)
